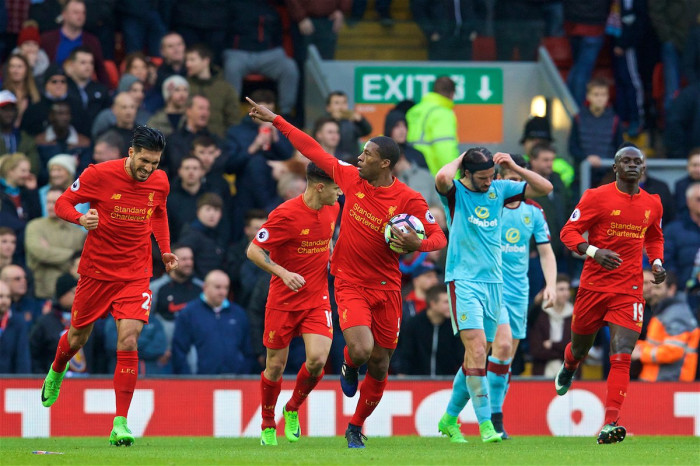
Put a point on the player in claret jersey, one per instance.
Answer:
(127, 203)
(294, 246)
(622, 220)
(367, 276)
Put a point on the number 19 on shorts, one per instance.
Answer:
(638, 312)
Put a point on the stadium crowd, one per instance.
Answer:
(78, 76)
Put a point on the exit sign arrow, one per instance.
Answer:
(484, 92)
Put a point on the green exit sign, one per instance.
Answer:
(389, 85)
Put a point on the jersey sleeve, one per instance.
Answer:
(342, 172)
(274, 232)
(540, 230)
(654, 238)
(510, 191)
(434, 237)
(581, 219)
(84, 189)
(159, 222)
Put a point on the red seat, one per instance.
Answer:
(484, 49)
(112, 73)
(559, 49)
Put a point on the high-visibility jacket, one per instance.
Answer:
(669, 352)
(432, 129)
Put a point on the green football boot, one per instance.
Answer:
(449, 426)
(268, 436)
(488, 433)
(121, 435)
(52, 386)
(611, 433)
(292, 429)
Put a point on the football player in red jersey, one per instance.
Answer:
(622, 220)
(367, 276)
(294, 245)
(127, 204)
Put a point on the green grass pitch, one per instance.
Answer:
(396, 451)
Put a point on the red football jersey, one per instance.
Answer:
(128, 211)
(298, 238)
(622, 223)
(361, 254)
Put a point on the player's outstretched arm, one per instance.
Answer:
(261, 258)
(549, 268)
(444, 179)
(537, 185)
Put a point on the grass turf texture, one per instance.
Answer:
(380, 451)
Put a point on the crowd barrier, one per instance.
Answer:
(231, 408)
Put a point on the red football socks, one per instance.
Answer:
(305, 383)
(371, 392)
(63, 354)
(618, 381)
(125, 375)
(348, 360)
(570, 362)
(269, 391)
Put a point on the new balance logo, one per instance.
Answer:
(615, 212)
(116, 196)
(305, 231)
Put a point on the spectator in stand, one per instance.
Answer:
(204, 236)
(683, 123)
(12, 139)
(427, 345)
(107, 118)
(432, 125)
(60, 43)
(352, 124)
(60, 137)
(208, 152)
(584, 24)
(175, 91)
(179, 143)
(14, 342)
(87, 97)
(382, 7)
(538, 131)
(8, 244)
(217, 328)
(595, 132)
(203, 21)
(289, 186)
(423, 278)
(153, 348)
(235, 259)
(449, 27)
(124, 111)
(36, 118)
(396, 128)
(100, 21)
(207, 80)
(551, 331)
(171, 293)
(691, 54)
(28, 46)
(416, 177)
(172, 51)
(185, 190)
(693, 176)
(50, 243)
(682, 238)
(109, 146)
(25, 306)
(257, 48)
(518, 25)
(17, 78)
(61, 169)
(317, 23)
(142, 26)
(672, 19)
(670, 350)
(19, 200)
(327, 132)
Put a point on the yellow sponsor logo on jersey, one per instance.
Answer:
(513, 235)
(481, 212)
(360, 195)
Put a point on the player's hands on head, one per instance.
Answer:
(610, 260)
(170, 260)
(294, 281)
(659, 273)
(90, 220)
(408, 242)
(260, 112)
(503, 159)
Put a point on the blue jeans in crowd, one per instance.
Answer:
(670, 57)
(585, 52)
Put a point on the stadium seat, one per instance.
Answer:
(113, 74)
(484, 49)
(560, 51)
(658, 91)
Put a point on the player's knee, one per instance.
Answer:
(273, 369)
(502, 349)
(315, 364)
(128, 343)
(360, 353)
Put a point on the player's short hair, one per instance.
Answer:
(321, 122)
(253, 214)
(597, 82)
(210, 199)
(625, 149)
(7, 231)
(200, 49)
(147, 138)
(82, 49)
(191, 157)
(540, 147)
(332, 94)
(314, 174)
(434, 292)
(203, 140)
(476, 158)
(265, 96)
(444, 85)
(388, 149)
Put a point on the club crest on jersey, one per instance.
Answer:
(527, 220)
(481, 212)
(262, 235)
(646, 216)
(392, 209)
(332, 227)
(429, 217)
(492, 195)
(75, 186)
(575, 215)
(150, 198)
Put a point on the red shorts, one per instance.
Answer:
(94, 299)
(282, 326)
(592, 309)
(378, 309)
